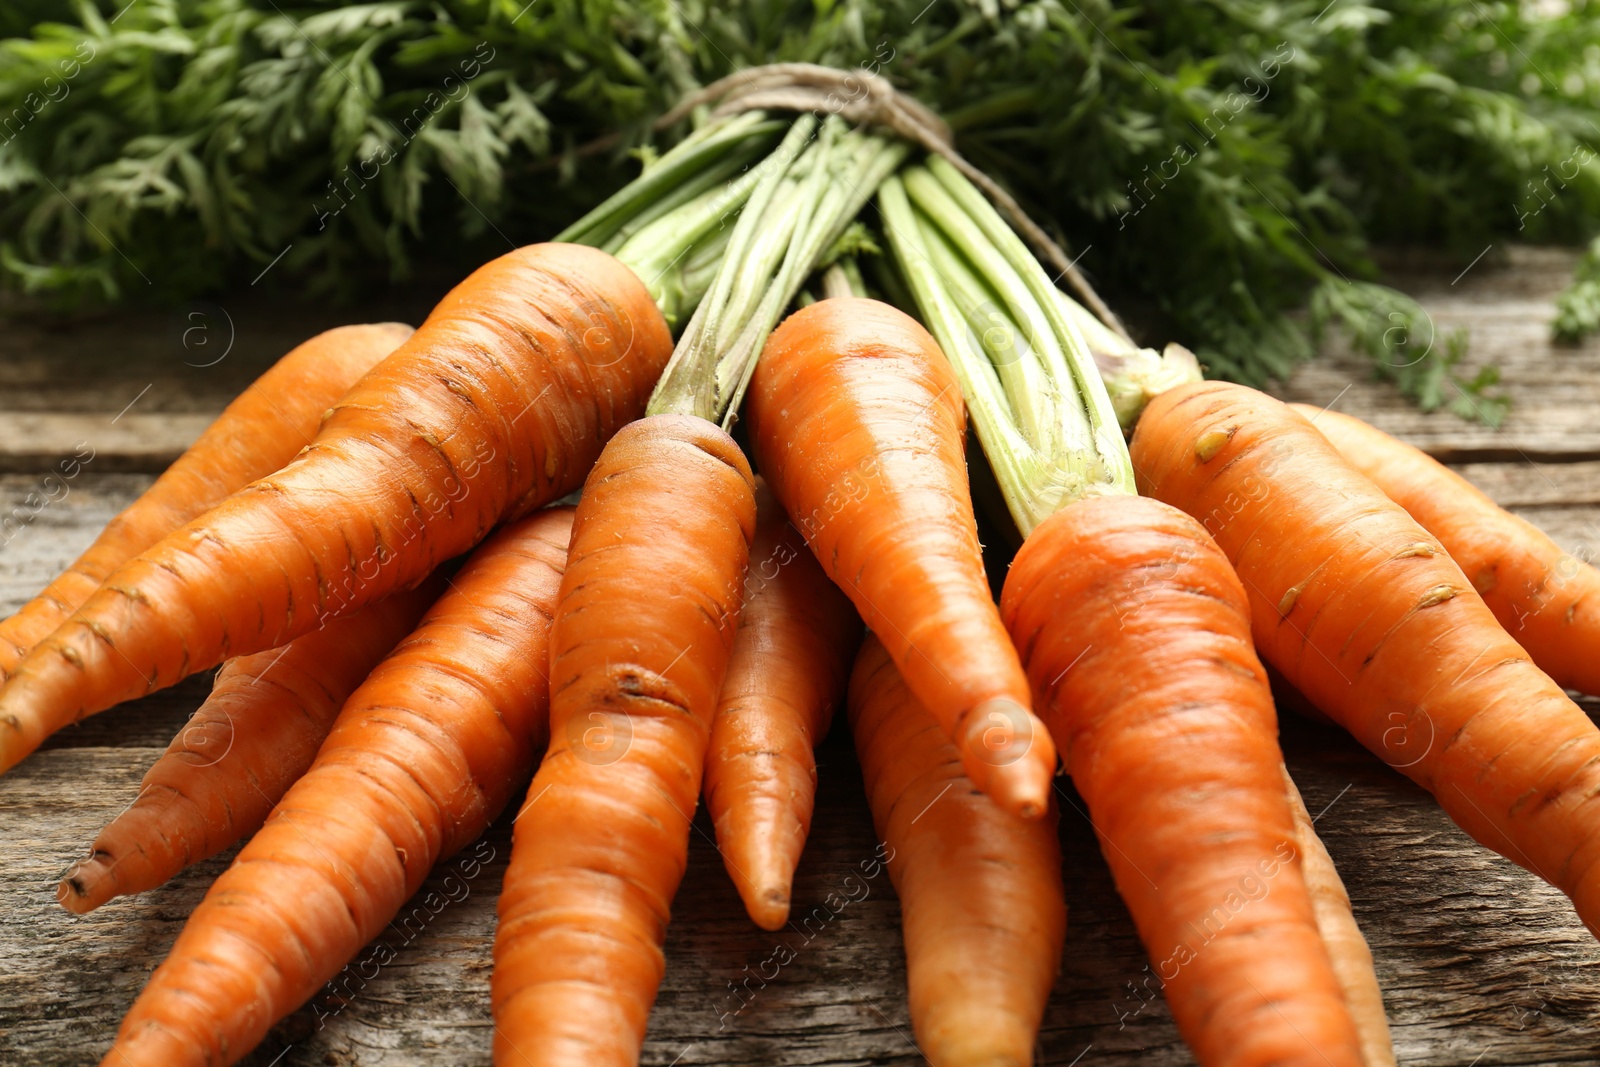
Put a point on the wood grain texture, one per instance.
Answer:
(1481, 963)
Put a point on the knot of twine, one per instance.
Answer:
(866, 98)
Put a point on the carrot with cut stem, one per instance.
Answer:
(642, 638)
(981, 902)
(791, 658)
(424, 755)
(1135, 636)
(1544, 597)
(255, 435)
(858, 425)
(1347, 947)
(1363, 612)
(498, 404)
(234, 759)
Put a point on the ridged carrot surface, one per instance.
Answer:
(255, 435)
(252, 739)
(423, 757)
(499, 403)
(1544, 597)
(642, 636)
(797, 637)
(1365, 613)
(981, 901)
(1136, 635)
(857, 424)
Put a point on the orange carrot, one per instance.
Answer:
(981, 902)
(858, 425)
(1347, 948)
(643, 632)
(791, 658)
(423, 757)
(1136, 635)
(498, 404)
(255, 435)
(1548, 600)
(1362, 610)
(250, 741)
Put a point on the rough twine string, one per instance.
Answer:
(866, 98)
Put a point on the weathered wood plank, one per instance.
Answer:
(1507, 306)
(58, 444)
(1480, 961)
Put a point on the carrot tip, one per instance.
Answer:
(85, 886)
(768, 907)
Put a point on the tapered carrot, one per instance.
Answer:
(1548, 600)
(498, 404)
(791, 658)
(858, 426)
(423, 757)
(634, 676)
(1362, 610)
(981, 902)
(255, 435)
(642, 638)
(1136, 635)
(233, 760)
(1347, 948)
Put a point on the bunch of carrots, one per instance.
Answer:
(415, 633)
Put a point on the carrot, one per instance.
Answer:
(791, 658)
(252, 739)
(982, 908)
(1347, 948)
(1548, 600)
(858, 426)
(423, 757)
(255, 435)
(498, 404)
(1362, 610)
(1136, 635)
(643, 631)
(643, 635)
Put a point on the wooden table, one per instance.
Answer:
(1481, 963)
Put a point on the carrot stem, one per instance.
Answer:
(1041, 411)
(820, 178)
(676, 177)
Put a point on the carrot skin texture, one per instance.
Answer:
(797, 637)
(253, 738)
(423, 757)
(498, 404)
(1136, 634)
(1545, 598)
(1363, 612)
(255, 435)
(857, 423)
(1347, 947)
(643, 632)
(982, 906)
